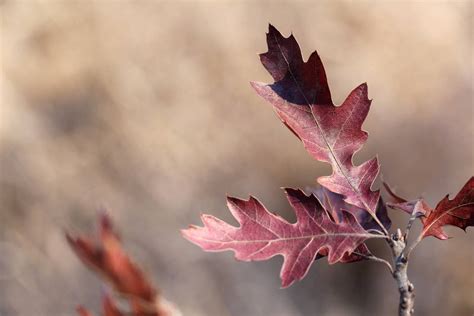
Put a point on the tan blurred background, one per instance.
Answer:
(144, 107)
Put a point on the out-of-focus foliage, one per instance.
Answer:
(109, 260)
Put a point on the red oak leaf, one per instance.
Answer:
(301, 98)
(457, 212)
(262, 235)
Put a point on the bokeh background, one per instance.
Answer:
(144, 107)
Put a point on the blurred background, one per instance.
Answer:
(144, 107)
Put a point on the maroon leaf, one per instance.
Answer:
(301, 98)
(262, 235)
(457, 212)
(334, 203)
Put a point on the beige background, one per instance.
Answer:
(145, 107)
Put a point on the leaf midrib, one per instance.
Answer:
(330, 235)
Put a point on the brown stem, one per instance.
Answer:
(376, 259)
(405, 287)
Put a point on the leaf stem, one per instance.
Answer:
(413, 246)
(376, 259)
(376, 231)
(385, 231)
(412, 219)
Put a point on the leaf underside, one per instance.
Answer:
(262, 234)
(301, 98)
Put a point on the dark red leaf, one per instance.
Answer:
(334, 203)
(262, 235)
(301, 98)
(457, 212)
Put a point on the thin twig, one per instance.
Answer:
(375, 231)
(413, 246)
(412, 219)
(385, 231)
(377, 259)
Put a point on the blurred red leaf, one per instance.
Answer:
(108, 258)
(109, 307)
(301, 98)
(83, 312)
(262, 235)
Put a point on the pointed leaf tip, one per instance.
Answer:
(458, 212)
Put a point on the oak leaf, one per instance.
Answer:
(301, 98)
(262, 235)
(457, 212)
